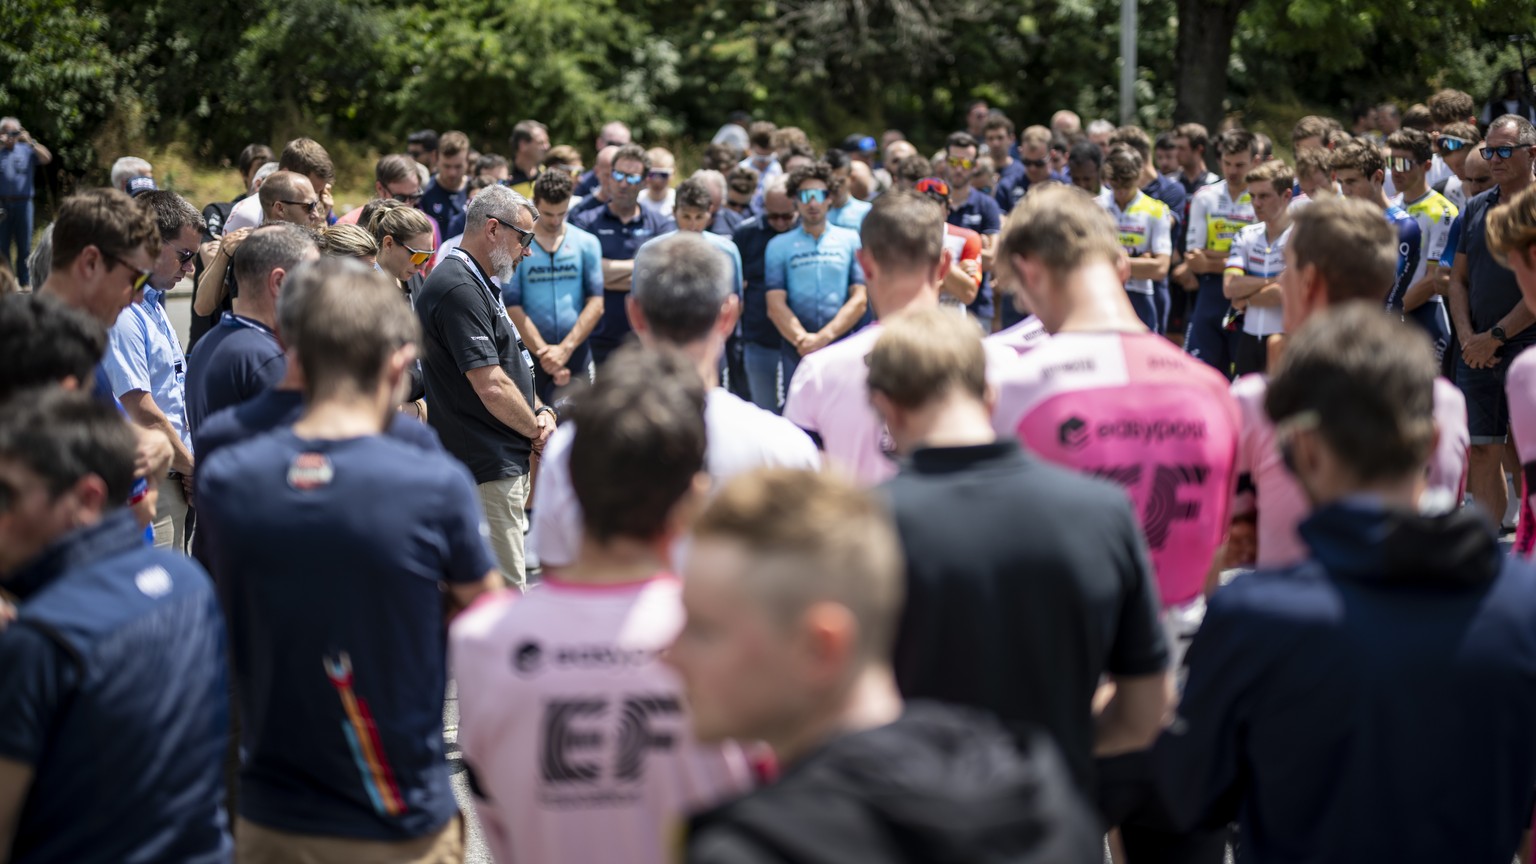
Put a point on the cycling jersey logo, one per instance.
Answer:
(1153, 431)
(528, 658)
(1073, 434)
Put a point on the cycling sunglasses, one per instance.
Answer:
(813, 196)
(933, 186)
(631, 179)
(422, 256)
(1501, 152)
(1450, 143)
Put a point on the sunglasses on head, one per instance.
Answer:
(420, 256)
(1401, 163)
(812, 196)
(1501, 152)
(957, 162)
(523, 237)
(932, 186)
(631, 179)
(140, 280)
(1451, 144)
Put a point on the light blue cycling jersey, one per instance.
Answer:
(552, 287)
(815, 273)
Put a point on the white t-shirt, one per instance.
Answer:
(246, 214)
(663, 208)
(576, 731)
(742, 437)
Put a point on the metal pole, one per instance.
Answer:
(1127, 62)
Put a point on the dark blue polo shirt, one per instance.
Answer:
(726, 222)
(238, 359)
(752, 241)
(442, 205)
(981, 214)
(620, 241)
(1011, 186)
(1492, 287)
(586, 184)
(113, 689)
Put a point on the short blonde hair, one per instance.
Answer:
(813, 537)
(921, 356)
(1061, 227)
(347, 241)
(1035, 136)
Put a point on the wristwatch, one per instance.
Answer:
(552, 412)
(1498, 333)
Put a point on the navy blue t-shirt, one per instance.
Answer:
(280, 408)
(586, 184)
(1011, 186)
(726, 222)
(238, 359)
(752, 240)
(329, 557)
(1492, 287)
(981, 214)
(620, 241)
(442, 205)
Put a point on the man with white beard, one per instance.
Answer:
(479, 376)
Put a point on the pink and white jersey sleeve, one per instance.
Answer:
(577, 734)
(1520, 387)
(1279, 499)
(1446, 478)
(1021, 337)
(1133, 409)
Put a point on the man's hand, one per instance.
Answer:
(546, 423)
(561, 377)
(207, 251)
(327, 204)
(1478, 351)
(812, 342)
(153, 458)
(554, 357)
(232, 241)
(186, 487)
(971, 268)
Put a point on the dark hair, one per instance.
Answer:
(1359, 154)
(743, 180)
(427, 138)
(639, 443)
(44, 340)
(1060, 142)
(171, 213)
(1194, 133)
(814, 171)
(1412, 140)
(62, 436)
(997, 121)
(1264, 147)
(1084, 152)
(105, 218)
(837, 159)
(306, 156)
(253, 156)
(1352, 247)
(632, 153)
(524, 130)
(1237, 141)
(1370, 382)
(961, 140)
(1164, 141)
(489, 162)
(1418, 117)
(911, 169)
(278, 245)
(760, 134)
(553, 187)
(393, 169)
(904, 230)
(1451, 106)
(693, 193)
(720, 157)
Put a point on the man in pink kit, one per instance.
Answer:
(1340, 251)
(575, 734)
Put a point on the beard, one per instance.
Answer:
(502, 263)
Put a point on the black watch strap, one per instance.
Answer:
(1498, 333)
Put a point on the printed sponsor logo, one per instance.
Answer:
(1073, 433)
(310, 471)
(530, 658)
(1152, 431)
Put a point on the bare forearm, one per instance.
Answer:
(1236, 287)
(527, 329)
(1517, 320)
(1422, 291)
(142, 410)
(1149, 268)
(959, 285)
(209, 292)
(585, 323)
(1267, 297)
(503, 400)
(849, 314)
(783, 317)
(1461, 301)
(43, 154)
(617, 274)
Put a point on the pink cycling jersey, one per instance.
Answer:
(1520, 387)
(1136, 410)
(1021, 337)
(1281, 503)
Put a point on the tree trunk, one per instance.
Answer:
(1204, 49)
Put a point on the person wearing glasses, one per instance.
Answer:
(621, 226)
(146, 366)
(845, 211)
(659, 196)
(814, 281)
(1453, 145)
(964, 246)
(478, 371)
(1411, 154)
(394, 177)
(20, 157)
(1449, 108)
(285, 196)
(1494, 326)
(761, 341)
(404, 235)
(741, 185)
(614, 135)
(971, 209)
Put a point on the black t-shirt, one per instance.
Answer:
(1025, 584)
(465, 327)
(1491, 287)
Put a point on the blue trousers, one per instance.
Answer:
(1205, 339)
(16, 227)
(762, 370)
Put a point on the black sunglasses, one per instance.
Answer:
(184, 255)
(524, 237)
(412, 200)
(139, 280)
(311, 206)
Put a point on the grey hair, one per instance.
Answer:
(5, 120)
(266, 170)
(127, 168)
(1525, 132)
(715, 179)
(1101, 127)
(495, 201)
(680, 282)
(777, 184)
(270, 247)
(40, 262)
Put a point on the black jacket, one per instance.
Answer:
(941, 785)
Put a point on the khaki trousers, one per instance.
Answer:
(503, 500)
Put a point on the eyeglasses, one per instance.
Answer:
(1501, 152)
(184, 255)
(1479, 181)
(1450, 143)
(933, 186)
(1399, 163)
(738, 203)
(631, 179)
(138, 281)
(524, 237)
(311, 206)
(420, 256)
(1035, 163)
(957, 162)
(778, 217)
(411, 199)
(812, 196)
(659, 175)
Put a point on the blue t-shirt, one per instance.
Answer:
(552, 287)
(752, 240)
(620, 241)
(238, 359)
(442, 206)
(1011, 186)
(850, 215)
(814, 272)
(18, 170)
(330, 558)
(586, 184)
(981, 214)
(726, 222)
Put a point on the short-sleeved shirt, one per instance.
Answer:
(442, 206)
(981, 214)
(521, 181)
(850, 215)
(464, 327)
(1492, 286)
(1012, 186)
(1520, 387)
(752, 240)
(663, 208)
(245, 214)
(1255, 254)
(18, 171)
(815, 273)
(586, 184)
(620, 240)
(553, 287)
(1026, 583)
(1021, 337)
(1434, 213)
(726, 222)
(1215, 217)
(1134, 409)
(330, 557)
(574, 730)
(237, 360)
(963, 244)
(144, 353)
(1144, 226)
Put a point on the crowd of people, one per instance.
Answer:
(1047, 491)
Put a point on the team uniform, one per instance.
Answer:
(552, 287)
(1254, 254)
(1279, 499)
(815, 274)
(1411, 260)
(1215, 217)
(963, 245)
(1520, 387)
(1145, 226)
(575, 733)
(1021, 337)
(1435, 214)
(1133, 409)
